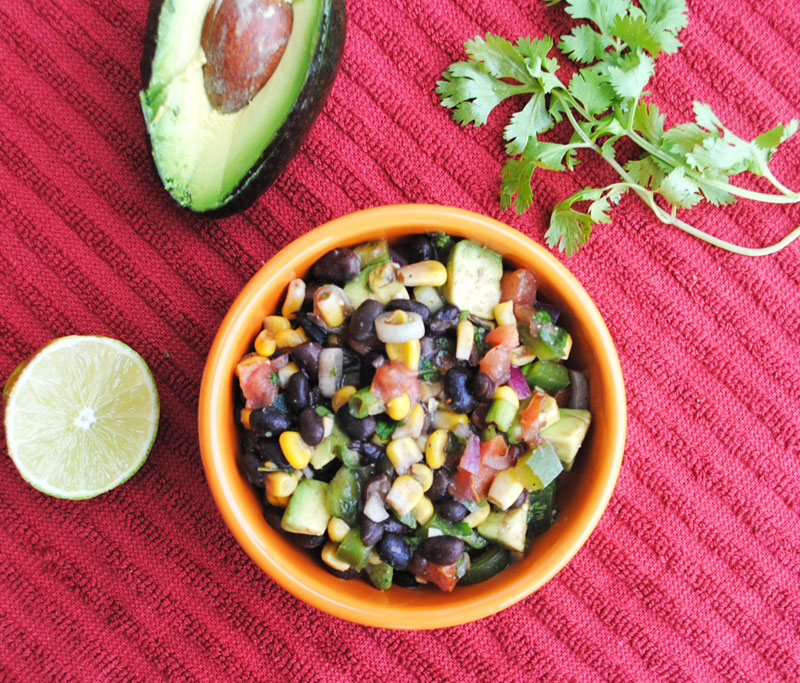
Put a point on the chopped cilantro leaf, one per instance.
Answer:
(274, 378)
(385, 428)
(428, 372)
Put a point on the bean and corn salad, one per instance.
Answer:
(408, 412)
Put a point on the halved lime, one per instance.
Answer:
(80, 416)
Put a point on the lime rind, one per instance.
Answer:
(81, 416)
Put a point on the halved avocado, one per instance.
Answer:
(219, 162)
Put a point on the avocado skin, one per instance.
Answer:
(291, 135)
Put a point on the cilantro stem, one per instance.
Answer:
(647, 196)
(787, 196)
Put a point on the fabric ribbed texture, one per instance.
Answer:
(693, 572)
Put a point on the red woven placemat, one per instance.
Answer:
(693, 571)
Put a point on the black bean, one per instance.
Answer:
(379, 485)
(410, 306)
(420, 248)
(426, 347)
(306, 355)
(369, 452)
(298, 392)
(446, 318)
(478, 417)
(441, 480)
(579, 390)
(269, 421)
(249, 462)
(348, 573)
(371, 532)
(457, 383)
(417, 565)
(397, 257)
(306, 541)
(362, 322)
(351, 361)
(395, 526)
(356, 428)
(270, 451)
(452, 510)
(312, 330)
(311, 428)
(337, 266)
(327, 471)
(273, 515)
(483, 386)
(394, 551)
(442, 549)
(404, 579)
(520, 501)
(369, 364)
(444, 361)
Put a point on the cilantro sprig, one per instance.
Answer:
(616, 50)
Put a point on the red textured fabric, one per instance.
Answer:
(693, 572)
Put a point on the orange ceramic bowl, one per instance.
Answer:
(581, 502)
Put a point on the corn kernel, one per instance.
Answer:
(329, 305)
(329, 557)
(374, 558)
(295, 297)
(287, 339)
(337, 529)
(431, 390)
(504, 313)
(431, 273)
(434, 448)
(414, 422)
(423, 510)
(473, 519)
(342, 396)
(265, 345)
(280, 484)
(505, 489)
(407, 352)
(465, 339)
(244, 417)
(506, 393)
(423, 474)
(567, 347)
(399, 407)
(404, 495)
(275, 323)
(294, 449)
(403, 453)
(285, 373)
(522, 355)
(327, 426)
(447, 419)
(278, 501)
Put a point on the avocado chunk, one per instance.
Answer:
(225, 114)
(307, 512)
(473, 278)
(567, 434)
(509, 528)
(539, 467)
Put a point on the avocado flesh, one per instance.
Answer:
(568, 434)
(201, 154)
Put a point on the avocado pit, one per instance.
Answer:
(243, 41)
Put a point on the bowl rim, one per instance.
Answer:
(354, 228)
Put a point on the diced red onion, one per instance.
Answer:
(280, 361)
(471, 458)
(398, 333)
(518, 383)
(374, 510)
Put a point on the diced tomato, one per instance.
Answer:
(395, 378)
(495, 454)
(468, 486)
(256, 375)
(505, 335)
(443, 575)
(519, 287)
(524, 314)
(529, 418)
(497, 364)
